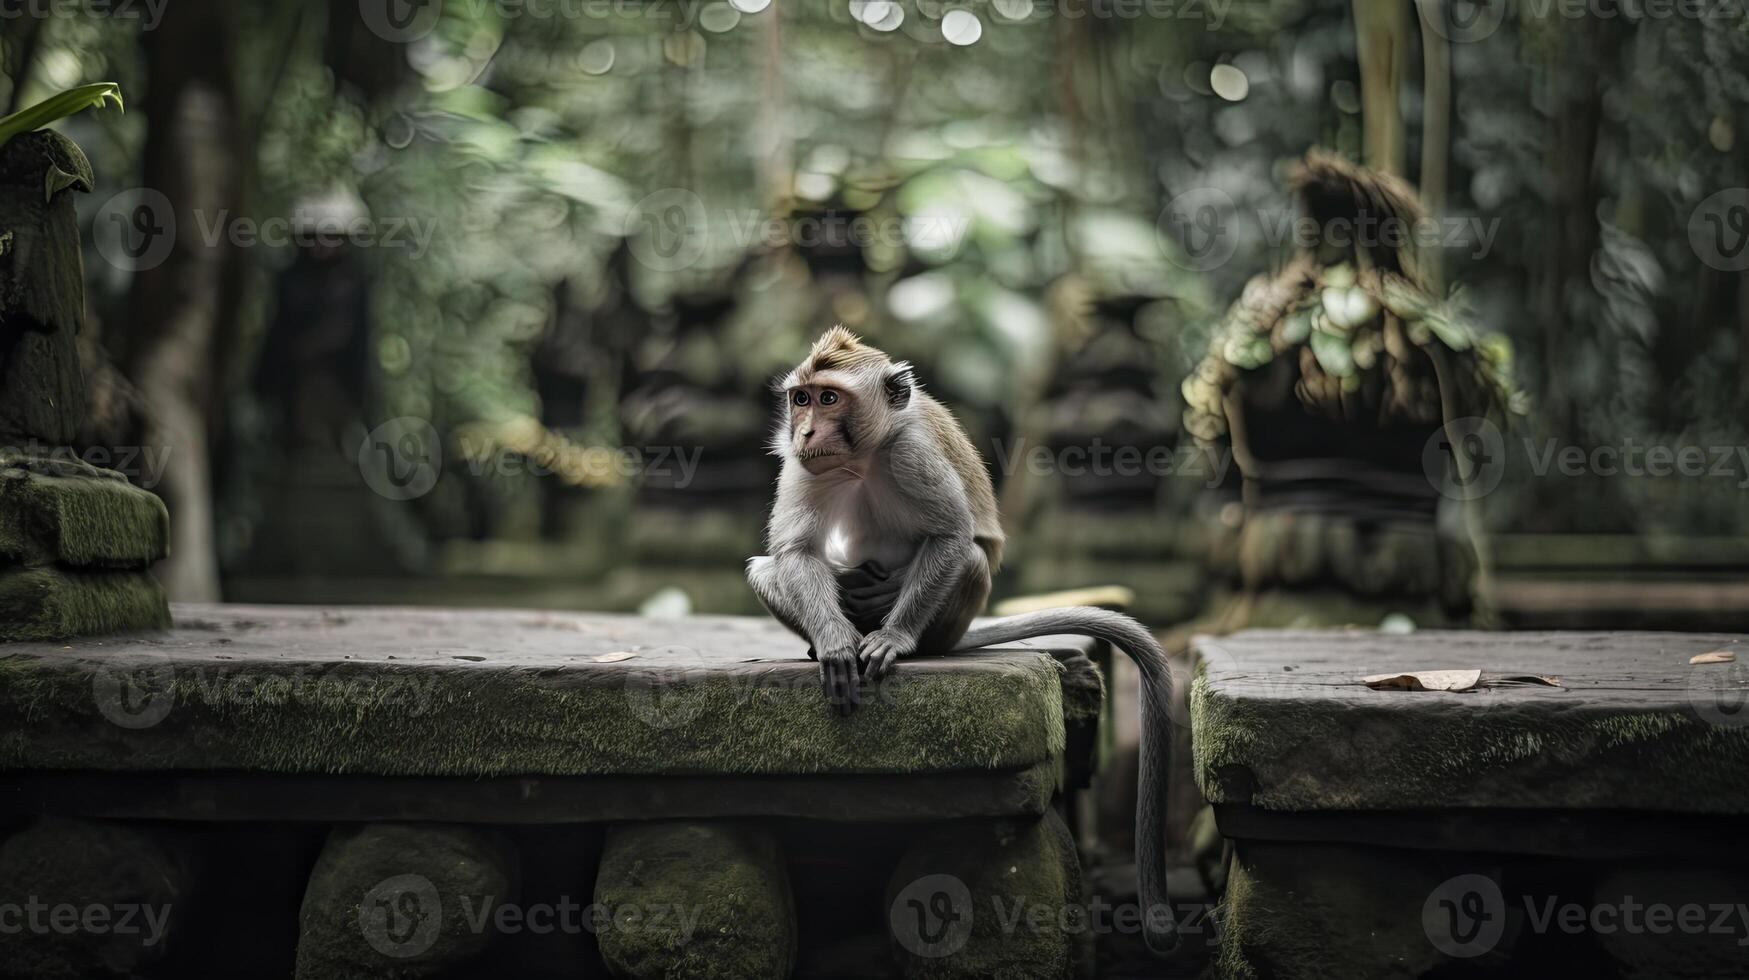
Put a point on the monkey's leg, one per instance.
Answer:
(800, 591)
(948, 582)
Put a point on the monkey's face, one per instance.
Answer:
(820, 426)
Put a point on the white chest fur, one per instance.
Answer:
(861, 519)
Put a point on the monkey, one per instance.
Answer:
(883, 540)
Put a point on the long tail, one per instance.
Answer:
(1140, 646)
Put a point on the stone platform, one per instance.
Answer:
(382, 771)
(1424, 833)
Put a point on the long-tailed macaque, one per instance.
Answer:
(883, 540)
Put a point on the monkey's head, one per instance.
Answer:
(841, 402)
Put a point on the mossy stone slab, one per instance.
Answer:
(49, 603)
(1282, 721)
(695, 899)
(82, 521)
(484, 693)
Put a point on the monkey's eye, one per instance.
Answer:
(800, 397)
(828, 397)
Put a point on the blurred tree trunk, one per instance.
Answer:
(1381, 31)
(179, 304)
(1569, 300)
(21, 46)
(1435, 127)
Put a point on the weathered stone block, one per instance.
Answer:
(95, 899)
(42, 293)
(1319, 911)
(83, 521)
(988, 898)
(395, 901)
(695, 899)
(48, 603)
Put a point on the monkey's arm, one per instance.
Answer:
(800, 590)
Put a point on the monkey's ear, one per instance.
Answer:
(899, 383)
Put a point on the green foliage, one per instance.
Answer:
(59, 107)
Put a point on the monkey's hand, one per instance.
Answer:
(882, 649)
(838, 675)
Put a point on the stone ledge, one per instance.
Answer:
(82, 521)
(45, 604)
(487, 693)
(1282, 722)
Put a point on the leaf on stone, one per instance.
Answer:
(1424, 680)
(1333, 354)
(1713, 657)
(614, 657)
(1503, 680)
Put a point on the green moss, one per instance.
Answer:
(1012, 891)
(79, 521)
(1325, 911)
(50, 603)
(393, 901)
(695, 899)
(273, 713)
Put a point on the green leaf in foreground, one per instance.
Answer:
(58, 107)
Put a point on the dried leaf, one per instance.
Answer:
(1495, 680)
(614, 657)
(1424, 680)
(1714, 657)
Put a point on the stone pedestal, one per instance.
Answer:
(695, 899)
(75, 540)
